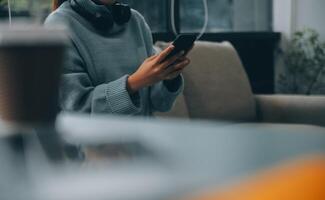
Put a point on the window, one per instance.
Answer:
(224, 15)
(192, 15)
(155, 12)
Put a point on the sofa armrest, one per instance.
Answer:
(291, 109)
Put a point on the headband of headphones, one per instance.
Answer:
(102, 16)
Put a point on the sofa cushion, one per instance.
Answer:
(298, 109)
(282, 129)
(216, 84)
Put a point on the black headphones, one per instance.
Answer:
(101, 16)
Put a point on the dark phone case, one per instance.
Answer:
(183, 42)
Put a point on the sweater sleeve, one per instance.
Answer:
(164, 93)
(77, 92)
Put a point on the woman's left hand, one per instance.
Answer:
(177, 68)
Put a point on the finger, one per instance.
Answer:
(172, 60)
(181, 59)
(177, 67)
(180, 65)
(165, 53)
(152, 57)
(173, 75)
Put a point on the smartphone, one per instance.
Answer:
(183, 42)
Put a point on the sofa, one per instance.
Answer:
(217, 88)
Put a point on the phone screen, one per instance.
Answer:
(183, 42)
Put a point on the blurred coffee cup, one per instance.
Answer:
(30, 66)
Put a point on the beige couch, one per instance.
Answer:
(217, 88)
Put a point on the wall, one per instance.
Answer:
(284, 17)
(310, 13)
(292, 15)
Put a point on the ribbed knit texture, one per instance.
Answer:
(98, 64)
(118, 98)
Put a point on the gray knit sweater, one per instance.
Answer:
(98, 65)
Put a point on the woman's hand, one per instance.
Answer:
(177, 68)
(155, 69)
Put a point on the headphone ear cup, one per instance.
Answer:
(121, 13)
(101, 20)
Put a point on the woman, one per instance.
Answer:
(111, 66)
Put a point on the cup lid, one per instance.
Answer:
(33, 35)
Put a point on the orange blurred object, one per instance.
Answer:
(302, 180)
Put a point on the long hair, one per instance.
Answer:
(57, 3)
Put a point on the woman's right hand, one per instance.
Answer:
(153, 70)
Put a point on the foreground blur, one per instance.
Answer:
(127, 158)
